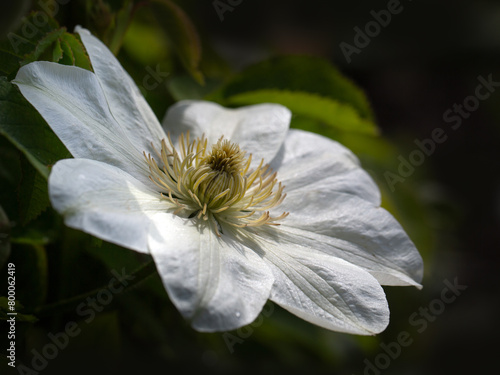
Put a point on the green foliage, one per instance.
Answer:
(301, 73)
(61, 267)
(59, 46)
(48, 48)
(40, 38)
(73, 52)
(9, 61)
(310, 87)
(28, 131)
(109, 23)
(328, 111)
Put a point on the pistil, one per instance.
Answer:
(216, 184)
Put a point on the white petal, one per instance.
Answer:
(72, 102)
(216, 282)
(333, 207)
(259, 129)
(325, 290)
(353, 229)
(126, 102)
(104, 201)
(308, 160)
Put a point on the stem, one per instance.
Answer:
(138, 276)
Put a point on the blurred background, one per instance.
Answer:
(420, 72)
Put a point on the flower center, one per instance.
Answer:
(216, 184)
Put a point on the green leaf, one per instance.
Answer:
(28, 131)
(26, 40)
(308, 86)
(9, 62)
(57, 52)
(58, 44)
(36, 40)
(17, 46)
(332, 112)
(372, 150)
(33, 194)
(68, 57)
(45, 47)
(182, 33)
(299, 73)
(12, 51)
(76, 51)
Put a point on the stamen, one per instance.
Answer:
(215, 185)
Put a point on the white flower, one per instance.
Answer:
(219, 227)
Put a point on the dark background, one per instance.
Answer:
(427, 58)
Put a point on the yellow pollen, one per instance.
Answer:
(215, 184)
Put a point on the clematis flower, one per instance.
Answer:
(233, 206)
